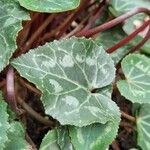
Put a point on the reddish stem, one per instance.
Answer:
(10, 87)
(128, 38)
(38, 32)
(113, 22)
(145, 39)
(70, 18)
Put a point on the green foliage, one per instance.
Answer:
(66, 71)
(133, 23)
(11, 132)
(75, 77)
(16, 138)
(135, 87)
(143, 126)
(11, 16)
(94, 137)
(50, 6)
(4, 125)
(63, 138)
(50, 141)
(119, 7)
(115, 35)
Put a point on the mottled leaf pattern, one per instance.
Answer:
(66, 72)
(11, 16)
(16, 138)
(49, 142)
(143, 126)
(4, 125)
(136, 87)
(94, 137)
(49, 5)
(118, 7)
(12, 135)
(63, 138)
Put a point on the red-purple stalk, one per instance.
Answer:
(110, 24)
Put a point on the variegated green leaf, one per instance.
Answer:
(49, 142)
(63, 138)
(94, 137)
(136, 86)
(143, 126)
(4, 125)
(49, 5)
(12, 135)
(66, 72)
(11, 16)
(118, 7)
(16, 138)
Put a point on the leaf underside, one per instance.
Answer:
(50, 6)
(136, 87)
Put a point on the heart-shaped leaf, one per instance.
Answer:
(50, 6)
(143, 126)
(136, 86)
(11, 16)
(66, 72)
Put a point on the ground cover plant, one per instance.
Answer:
(74, 75)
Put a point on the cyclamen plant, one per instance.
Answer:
(63, 74)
